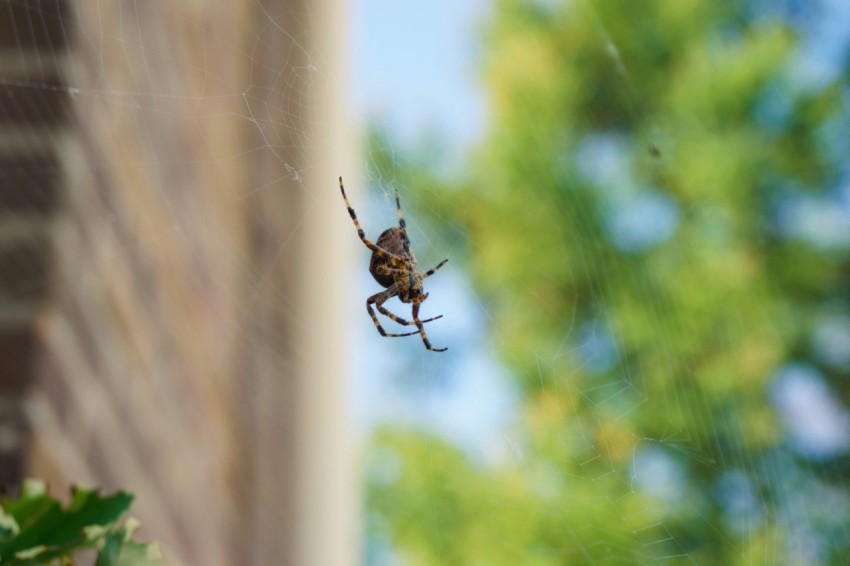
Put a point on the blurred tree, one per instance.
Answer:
(625, 218)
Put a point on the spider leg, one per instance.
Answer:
(378, 299)
(400, 320)
(431, 272)
(419, 325)
(382, 253)
(405, 241)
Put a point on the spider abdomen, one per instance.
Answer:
(390, 240)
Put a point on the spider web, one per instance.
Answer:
(469, 397)
(200, 111)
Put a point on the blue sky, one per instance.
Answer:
(414, 67)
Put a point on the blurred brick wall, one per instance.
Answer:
(156, 266)
(33, 119)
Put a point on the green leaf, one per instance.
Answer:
(119, 550)
(46, 531)
(8, 526)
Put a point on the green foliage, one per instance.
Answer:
(701, 320)
(35, 529)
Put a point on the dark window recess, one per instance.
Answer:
(34, 24)
(24, 270)
(36, 103)
(29, 183)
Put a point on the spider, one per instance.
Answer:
(394, 267)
